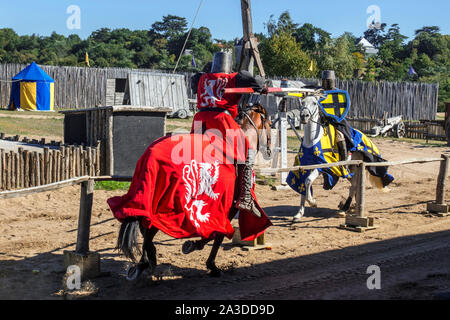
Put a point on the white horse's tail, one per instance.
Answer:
(374, 181)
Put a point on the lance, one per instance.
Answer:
(268, 90)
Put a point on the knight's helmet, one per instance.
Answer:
(328, 80)
(222, 62)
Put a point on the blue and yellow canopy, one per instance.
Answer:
(32, 89)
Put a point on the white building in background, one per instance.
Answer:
(368, 48)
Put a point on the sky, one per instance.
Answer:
(222, 17)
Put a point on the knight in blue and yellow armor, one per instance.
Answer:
(339, 138)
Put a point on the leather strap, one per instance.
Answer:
(215, 110)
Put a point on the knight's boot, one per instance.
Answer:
(343, 155)
(245, 183)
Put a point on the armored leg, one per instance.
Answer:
(245, 183)
(342, 147)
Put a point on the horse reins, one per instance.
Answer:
(265, 123)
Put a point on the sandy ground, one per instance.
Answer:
(312, 259)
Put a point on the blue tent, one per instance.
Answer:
(32, 89)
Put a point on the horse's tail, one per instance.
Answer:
(127, 240)
(377, 182)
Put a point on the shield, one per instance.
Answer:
(335, 105)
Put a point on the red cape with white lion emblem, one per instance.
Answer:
(185, 193)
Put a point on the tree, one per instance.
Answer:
(375, 35)
(282, 56)
(283, 25)
(170, 27)
(312, 38)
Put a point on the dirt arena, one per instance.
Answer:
(312, 259)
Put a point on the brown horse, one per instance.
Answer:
(253, 120)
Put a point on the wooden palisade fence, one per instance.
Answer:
(424, 129)
(26, 169)
(79, 88)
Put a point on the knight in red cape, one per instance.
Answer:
(217, 110)
(184, 185)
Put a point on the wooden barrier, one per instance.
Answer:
(89, 262)
(440, 207)
(25, 168)
(359, 222)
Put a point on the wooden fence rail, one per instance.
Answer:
(26, 169)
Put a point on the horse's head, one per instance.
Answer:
(254, 120)
(309, 109)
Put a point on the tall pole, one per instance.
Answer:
(250, 52)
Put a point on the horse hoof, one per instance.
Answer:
(133, 273)
(188, 247)
(296, 219)
(341, 214)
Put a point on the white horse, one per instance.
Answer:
(313, 133)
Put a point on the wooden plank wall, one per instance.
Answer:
(159, 90)
(370, 100)
(77, 88)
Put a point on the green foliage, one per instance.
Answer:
(157, 48)
(282, 55)
(287, 49)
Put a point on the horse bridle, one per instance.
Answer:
(245, 112)
(313, 114)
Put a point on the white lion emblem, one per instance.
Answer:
(199, 179)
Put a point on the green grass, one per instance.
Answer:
(112, 185)
(35, 127)
(37, 113)
(265, 180)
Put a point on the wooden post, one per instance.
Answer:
(46, 166)
(67, 163)
(41, 168)
(2, 175)
(13, 169)
(26, 168)
(89, 161)
(21, 182)
(98, 159)
(84, 220)
(89, 262)
(8, 171)
(359, 222)
(361, 191)
(443, 172)
(440, 207)
(62, 169)
(37, 169)
(17, 170)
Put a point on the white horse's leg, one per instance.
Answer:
(308, 184)
(301, 210)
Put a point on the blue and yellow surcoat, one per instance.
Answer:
(326, 151)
